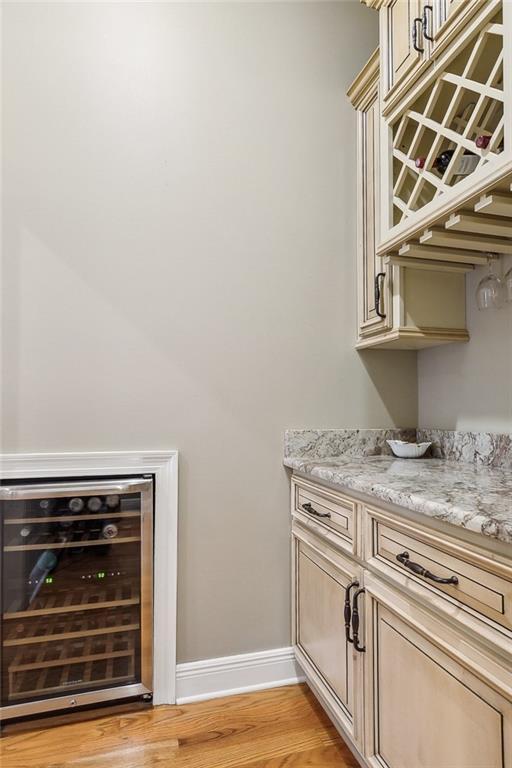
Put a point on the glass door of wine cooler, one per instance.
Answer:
(76, 594)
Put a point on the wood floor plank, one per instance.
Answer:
(280, 728)
(335, 756)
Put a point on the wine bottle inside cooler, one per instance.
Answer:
(109, 530)
(76, 505)
(45, 563)
(47, 505)
(94, 504)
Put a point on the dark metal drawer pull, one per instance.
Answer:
(347, 613)
(403, 558)
(355, 622)
(312, 511)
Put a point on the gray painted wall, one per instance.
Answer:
(469, 386)
(179, 267)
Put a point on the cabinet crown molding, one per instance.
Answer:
(365, 80)
(374, 3)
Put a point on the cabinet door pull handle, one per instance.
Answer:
(403, 558)
(378, 294)
(415, 34)
(355, 622)
(426, 10)
(307, 507)
(347, 613)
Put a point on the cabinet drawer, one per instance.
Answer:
(471, 579)
(329, 510)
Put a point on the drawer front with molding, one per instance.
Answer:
(461, 573)
(328, 510)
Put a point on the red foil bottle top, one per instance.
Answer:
(482, 142)
(420, 162)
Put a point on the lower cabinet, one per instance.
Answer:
(406, 687)
(425, 708)
(323, 581)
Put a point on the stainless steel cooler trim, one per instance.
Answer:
(58, 489)
(146, 587)
(70, 701)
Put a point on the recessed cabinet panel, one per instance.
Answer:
(321, 628)
(447, 18)
(321, 576)
(430, 711)
(374, 304)
(458, 728)
(403, 56)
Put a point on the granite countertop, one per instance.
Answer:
(475, 497)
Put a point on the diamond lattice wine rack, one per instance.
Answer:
(454, 127)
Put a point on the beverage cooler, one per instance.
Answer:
(76, 594)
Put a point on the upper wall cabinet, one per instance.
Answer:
(445, 115)
(412, 33)
(402, 303)
(401, 25)
(443, 18)
(373, 294)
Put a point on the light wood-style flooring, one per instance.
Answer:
(279, 728)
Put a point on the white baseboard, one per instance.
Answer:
(227, 676)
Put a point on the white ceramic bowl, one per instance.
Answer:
(405, 450)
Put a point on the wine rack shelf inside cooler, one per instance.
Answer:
(69, 626)
(68, 534)
(78, 598)
(108, 660)
(67, 518)
(82, 542)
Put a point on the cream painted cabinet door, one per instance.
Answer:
(444, 19)
(425, 709)
(320, 590)
(374, 306)
(374, 295)
(405, 42)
